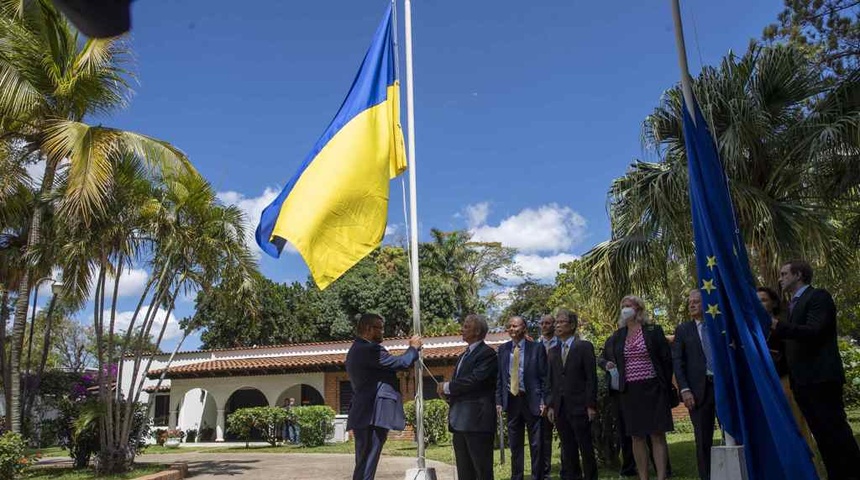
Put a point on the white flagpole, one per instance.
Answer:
(687, 90)
(413, 232)
(686, 83)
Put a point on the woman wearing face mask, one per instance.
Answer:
(640, 352)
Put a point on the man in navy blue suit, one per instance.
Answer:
(521, 393)
(376, 405)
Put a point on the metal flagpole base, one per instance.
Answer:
(728, 463)
(428, 473)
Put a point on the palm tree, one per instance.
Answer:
(50, 82)
(778, 128)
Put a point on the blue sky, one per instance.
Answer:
(525, 111)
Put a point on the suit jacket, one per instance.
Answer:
(372, 372)
(534, 375)
(573, 383)
(811, 347)
(688, 358)
(658, 350)
(472, 392)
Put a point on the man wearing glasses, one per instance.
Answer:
(376, 404)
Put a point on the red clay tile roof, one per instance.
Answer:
(161, 388)
(287, 364)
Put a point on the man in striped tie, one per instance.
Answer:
(572, 396)
(520, 392)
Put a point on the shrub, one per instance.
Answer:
(240, 423)
(207, 434)
(435, 420)
(191, 435)
(49, 435)
(267, 420)
(316, 424)
(13, 461)
(851, 361)
(81, 444)
(176, 433)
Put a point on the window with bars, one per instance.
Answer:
(161, 416)
(345, 397)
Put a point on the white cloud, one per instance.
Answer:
(123, 319)
(391, 229)
(542, 268)
(476, 215)
(132, 282)
(253, 208)
(543, 236)
(36, 172)
(549, 228)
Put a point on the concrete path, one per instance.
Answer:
(291, 466)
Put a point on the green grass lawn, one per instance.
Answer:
(67, 473)
(682, 451)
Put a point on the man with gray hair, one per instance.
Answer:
(471, 396)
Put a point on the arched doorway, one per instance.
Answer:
(304, 394)
(247, 397)
(198, 412)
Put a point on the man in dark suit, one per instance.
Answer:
(572, 397)
(548, 340)
(376, 405)
(815, 369)
(691, 359)
(520, 392)
(471, 396)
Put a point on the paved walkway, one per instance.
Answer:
(292, 466)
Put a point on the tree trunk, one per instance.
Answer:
(4, 365)
(14, 412)
(46, 347)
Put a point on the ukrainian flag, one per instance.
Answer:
(334, 209)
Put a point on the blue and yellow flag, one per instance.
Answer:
(750, 401)
(334, 209)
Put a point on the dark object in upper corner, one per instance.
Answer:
(98, 18)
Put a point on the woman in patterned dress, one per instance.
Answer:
(641, 353)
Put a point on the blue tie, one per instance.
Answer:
(706, 347)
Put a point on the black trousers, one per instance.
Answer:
(824, 410)
(704, 420)
(474, 452)
(520, 419)
(546, 430)
(368, 447)
(575, 431)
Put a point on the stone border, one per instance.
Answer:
(176, 471)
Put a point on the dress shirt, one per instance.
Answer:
(472, 347)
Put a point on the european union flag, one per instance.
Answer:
(751, 405)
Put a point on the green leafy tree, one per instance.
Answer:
(529, 300)
(472, 269)
(826, 30)
(51, 81)
(786, 139)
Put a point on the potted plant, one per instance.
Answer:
(174, 437)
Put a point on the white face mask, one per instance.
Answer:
(627, 313)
